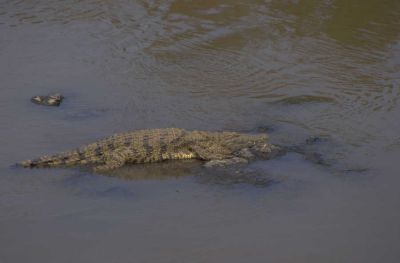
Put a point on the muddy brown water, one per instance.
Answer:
(294, 68)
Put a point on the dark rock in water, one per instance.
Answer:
(50, 100)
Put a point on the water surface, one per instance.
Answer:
(294, 68)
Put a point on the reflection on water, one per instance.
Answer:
(227, 176)
(157, 171)
(301, 68)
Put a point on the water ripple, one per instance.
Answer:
(242, 54)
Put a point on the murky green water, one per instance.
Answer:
(295, 68)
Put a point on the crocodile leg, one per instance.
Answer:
(211, 154)
(226, 162)
(113, 160)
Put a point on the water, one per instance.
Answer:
(295, 68)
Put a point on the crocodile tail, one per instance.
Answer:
(64, 159)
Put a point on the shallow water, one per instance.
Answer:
(294, 68)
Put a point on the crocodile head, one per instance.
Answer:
(266, 151)
(238, 141)
(253, 145)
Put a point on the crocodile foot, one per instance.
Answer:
(225, 162)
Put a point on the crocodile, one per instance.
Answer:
(157, 145)
(49, 100)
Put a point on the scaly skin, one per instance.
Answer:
(157, 145)
(50, 100)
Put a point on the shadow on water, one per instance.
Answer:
(194, 171)
(155, 171)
